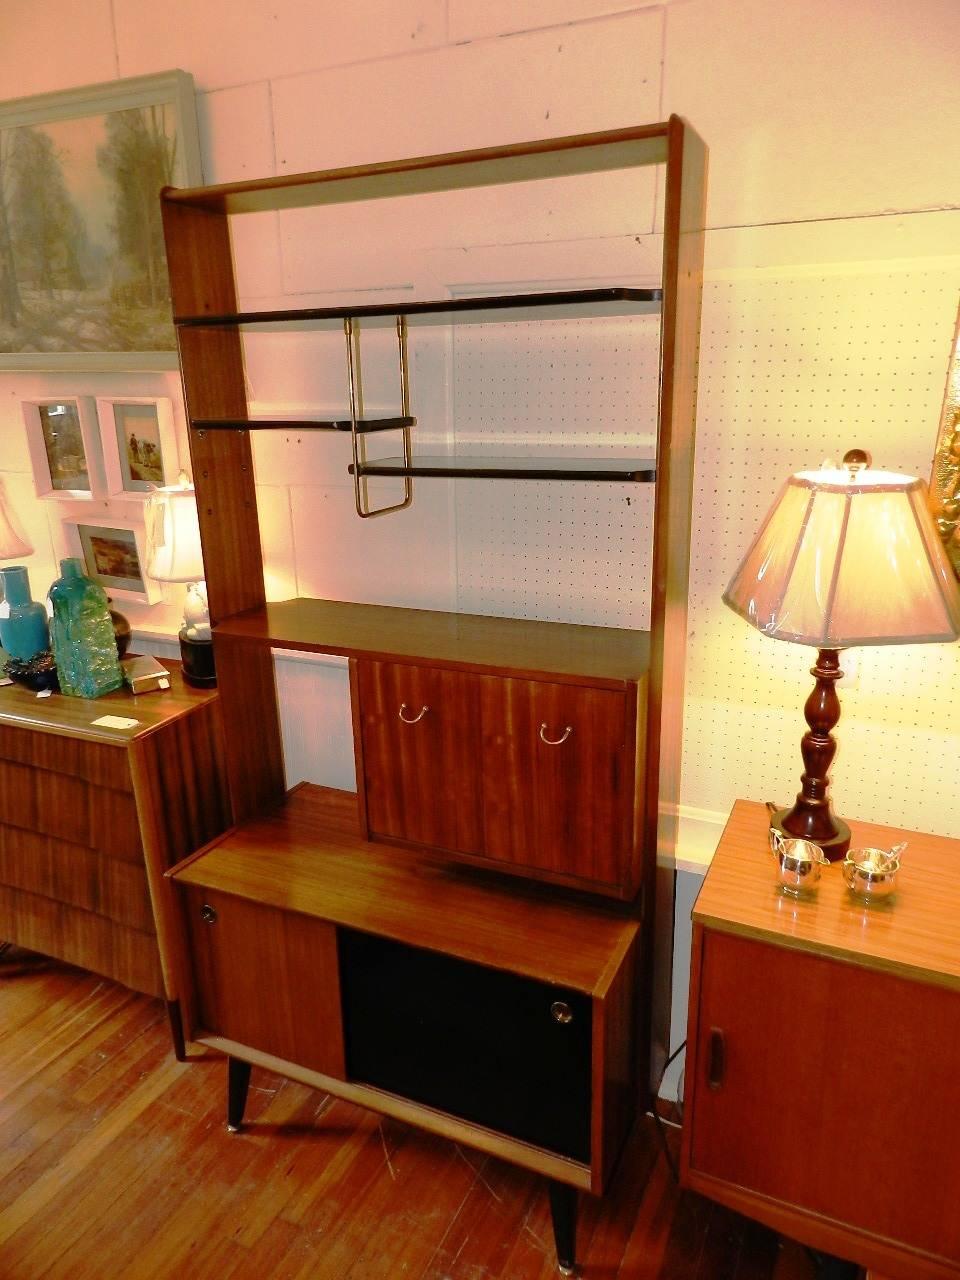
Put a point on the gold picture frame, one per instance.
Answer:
(83, 278)
(945, 477)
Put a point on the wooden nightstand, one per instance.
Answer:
(824, 1053)
(91, 816)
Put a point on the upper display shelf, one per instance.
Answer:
(557, 305)
(488, 166)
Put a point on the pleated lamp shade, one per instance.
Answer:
(848, 557)
(175, 552)
(12, 542)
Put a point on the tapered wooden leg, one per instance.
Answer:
(176, 1030)
(563, 1210)
(238, 1081)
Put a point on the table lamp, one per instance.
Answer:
(12, 542)
(845, 557)
(176, 556)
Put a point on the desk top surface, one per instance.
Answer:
(76, 717)
(309, 857)
(915, 933)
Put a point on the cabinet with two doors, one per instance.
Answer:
(537, 775)
(479, 941)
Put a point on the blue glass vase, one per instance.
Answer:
(23, 632)
(82, 634)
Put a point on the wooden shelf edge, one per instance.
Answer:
(364, 425)
(618, 300)
(636, 144)
(607, 470)
(439, 1122)
(571, 653)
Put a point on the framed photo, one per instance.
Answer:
(64, 448)
(115, 556)
(139, 445)
(83, 274)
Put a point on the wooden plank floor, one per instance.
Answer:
(115, 1165)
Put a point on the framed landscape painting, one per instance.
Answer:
(83, 275)
(139, 446)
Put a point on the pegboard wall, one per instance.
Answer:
(559, 551)
(796, 368)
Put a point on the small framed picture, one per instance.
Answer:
(64, 449)
(139, 445)
(115, 556)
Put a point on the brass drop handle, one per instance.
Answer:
(554, 742)
(416, 719)
(208, 914)
(561, 1012)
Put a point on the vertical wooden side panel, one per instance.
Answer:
(251, 728)
(180, 786)
(201, 283)
(615, 1085)
(358, 759)
(682, 294)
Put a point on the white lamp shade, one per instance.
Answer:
(12, 541)
(175, 552)
(848, 558)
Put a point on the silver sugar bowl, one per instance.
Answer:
(799, 863)
(872, 873)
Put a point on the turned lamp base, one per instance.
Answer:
(834, 846)
(812, 817)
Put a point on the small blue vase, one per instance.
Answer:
(23, 633)
(82, 635)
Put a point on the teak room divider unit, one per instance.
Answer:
(474, 956)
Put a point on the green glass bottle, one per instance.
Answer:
(82, 635)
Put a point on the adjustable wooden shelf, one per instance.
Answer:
(481, 941)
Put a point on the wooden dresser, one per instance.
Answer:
(824, 1053)
(91, 816)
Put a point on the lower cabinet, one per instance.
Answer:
(493, 1048)
(425, 990)
(823, 1052)
(825, 1088)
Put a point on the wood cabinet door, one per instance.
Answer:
(419, 729)
(830, 1088)
(556, 777)
(493, 1048)
(268, 979)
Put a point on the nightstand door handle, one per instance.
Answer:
(208, 914)
(554, 742)
(561, 1012)
(716, 1058)
(412, 719)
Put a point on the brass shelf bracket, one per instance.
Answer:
(351, 329)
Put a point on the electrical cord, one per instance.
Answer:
(658, 1119)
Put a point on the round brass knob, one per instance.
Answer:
(561, 1012)
(208, 914)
